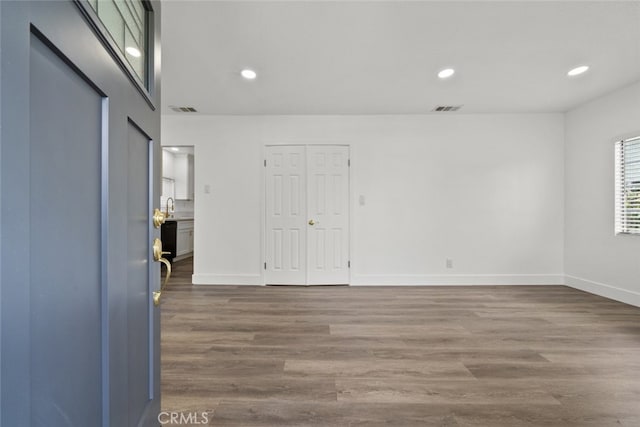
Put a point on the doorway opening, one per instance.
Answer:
(178, 204)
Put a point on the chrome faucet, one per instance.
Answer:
(173, 207)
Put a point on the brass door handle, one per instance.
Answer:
(156, 298)
(158, 218)
(311, 222)
(157, 256)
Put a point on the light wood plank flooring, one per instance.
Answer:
(399, 356)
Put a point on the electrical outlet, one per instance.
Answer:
(449, 263)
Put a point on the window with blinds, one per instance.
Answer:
(627, 194)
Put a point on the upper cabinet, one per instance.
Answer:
(168, 165)
(177, 169)
(183, 170)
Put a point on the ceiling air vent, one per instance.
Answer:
(183, 109)
(445, 108)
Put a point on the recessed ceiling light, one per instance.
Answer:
(578, 70)
(446, 73)
(133, 51)
(248, 74)
(175, 149)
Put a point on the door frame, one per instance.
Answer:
(263, 200)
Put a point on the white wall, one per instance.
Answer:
(484, 190)
(596, 260)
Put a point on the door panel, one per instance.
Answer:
(285, 219)
(328, 198)
(65, 243)
(138, 290)
(307, 215)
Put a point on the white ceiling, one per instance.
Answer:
(381, 57)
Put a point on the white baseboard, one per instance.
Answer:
(227, 279)
(601, 289)
(607, 291)
(400, 279)
(455, 279)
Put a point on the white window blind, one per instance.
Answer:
(627, 194)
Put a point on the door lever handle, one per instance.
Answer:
(158, 294)
(157, 256)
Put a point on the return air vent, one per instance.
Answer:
(445, 108)
(183, 109)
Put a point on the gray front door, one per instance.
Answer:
(79, 177)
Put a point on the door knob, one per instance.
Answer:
(158, 218)
(157, 256)
(311, 222)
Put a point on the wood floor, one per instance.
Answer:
(399, 356)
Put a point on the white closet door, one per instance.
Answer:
(328, 215)
(307, 215)
(285, 216)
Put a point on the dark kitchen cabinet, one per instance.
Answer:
(169, 232)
